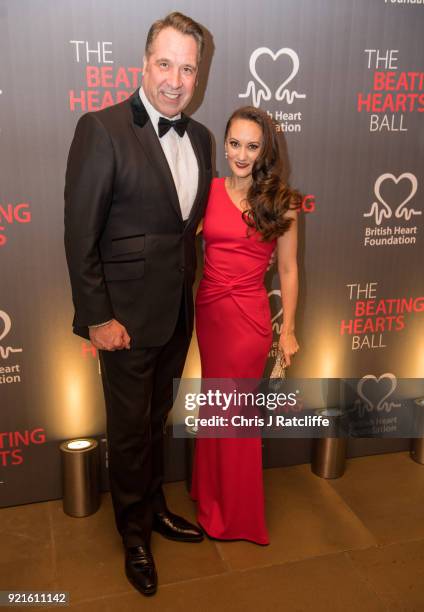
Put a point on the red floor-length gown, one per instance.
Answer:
(233, 324)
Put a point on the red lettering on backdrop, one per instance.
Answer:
(106, 85)
(87, 347)
(102, 76)
(369, 325)
(308, 203)
(93, 100)
(395, 81)
(11, 457)
(379, 103)
(11, 443)
(390, 81)
(13, 213)
(389, 306)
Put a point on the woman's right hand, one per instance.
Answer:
(288, 344)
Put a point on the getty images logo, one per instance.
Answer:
(6, 323)
(258, 88)
(381, 210)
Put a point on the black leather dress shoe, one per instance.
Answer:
(175, 527)
(140, 569)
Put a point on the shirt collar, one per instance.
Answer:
(154, 115)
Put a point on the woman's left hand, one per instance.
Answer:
(288, 344)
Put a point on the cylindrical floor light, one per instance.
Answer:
(80, 476)
(329, 453)
(417, 444)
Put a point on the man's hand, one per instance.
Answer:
(110, 337)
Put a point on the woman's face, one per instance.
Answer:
(243, 145)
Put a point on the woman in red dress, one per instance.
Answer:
(249, 214)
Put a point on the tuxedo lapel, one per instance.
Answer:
(201, 162)
(149, 140)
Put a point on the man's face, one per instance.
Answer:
(170, 72)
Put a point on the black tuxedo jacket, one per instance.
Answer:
(130, 255)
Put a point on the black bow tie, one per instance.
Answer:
(179, 125)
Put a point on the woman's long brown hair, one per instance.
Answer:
(268, 197)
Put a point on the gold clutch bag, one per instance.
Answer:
(279, 369)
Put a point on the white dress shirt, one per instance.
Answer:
(181, 159)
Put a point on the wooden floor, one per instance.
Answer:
(351, 544)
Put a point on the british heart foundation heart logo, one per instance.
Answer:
(6, 324)
(275, 304)
(380, 209)
(259, 90)
(375, 391)
(5, 327)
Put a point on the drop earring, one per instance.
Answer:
(226, 155)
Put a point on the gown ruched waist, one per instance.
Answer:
(246, 290)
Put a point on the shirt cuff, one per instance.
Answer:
(99, 324)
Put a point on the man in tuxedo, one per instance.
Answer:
(137, 179)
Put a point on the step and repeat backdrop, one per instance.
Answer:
(344, 82)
